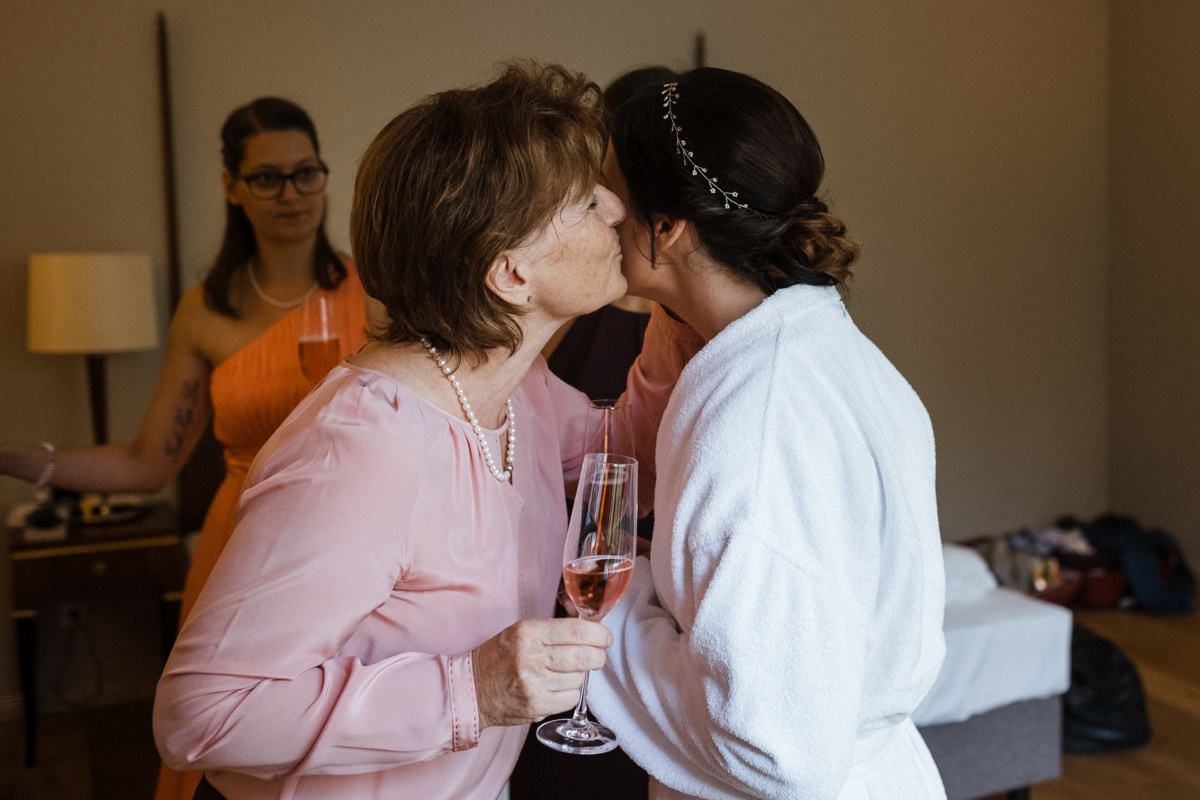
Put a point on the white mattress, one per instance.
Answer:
(1001, 648)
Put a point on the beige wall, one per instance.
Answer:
(1154, 357)
(966, 145)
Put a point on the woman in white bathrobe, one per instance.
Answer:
(789, 620)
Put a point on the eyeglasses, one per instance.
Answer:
(268, 184)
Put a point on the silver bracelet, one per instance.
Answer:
(47, 471)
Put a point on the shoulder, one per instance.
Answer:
(358, 424)
(195, 326)
(792, 383)
(192, 308)
(800, 349)
(728, 384)
(346, 461)
(370, 409)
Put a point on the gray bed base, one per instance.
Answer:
(1007, 749)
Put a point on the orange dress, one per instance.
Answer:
(252, 392)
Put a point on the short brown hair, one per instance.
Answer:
(454, 181)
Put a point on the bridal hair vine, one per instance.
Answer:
(670, 94)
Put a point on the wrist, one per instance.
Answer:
(48, 468)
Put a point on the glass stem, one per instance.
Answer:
(579, 718)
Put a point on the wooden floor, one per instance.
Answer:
(1166, 651)
(108, 753)
(99, 754)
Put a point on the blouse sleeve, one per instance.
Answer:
(256, 683)
(668, 347)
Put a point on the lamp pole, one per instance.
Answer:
(98, 395)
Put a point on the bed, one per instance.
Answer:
(993, 719)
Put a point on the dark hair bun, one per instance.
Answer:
(751, 138)
(812, 240)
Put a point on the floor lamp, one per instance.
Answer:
(92, 304)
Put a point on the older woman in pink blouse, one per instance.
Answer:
(378, 626)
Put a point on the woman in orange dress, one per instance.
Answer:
(233, 347)
(251, 392)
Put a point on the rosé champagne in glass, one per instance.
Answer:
(596, 583)
(320, 349)
(597, 567)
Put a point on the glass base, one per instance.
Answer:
(580, 740)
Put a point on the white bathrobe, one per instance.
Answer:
(790, 618)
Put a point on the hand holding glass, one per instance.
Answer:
(319, 347)
(598, 563)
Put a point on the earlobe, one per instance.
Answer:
(507, 280)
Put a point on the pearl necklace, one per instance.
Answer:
(271, 301)
(470, 415)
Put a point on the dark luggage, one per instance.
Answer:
(1105, 707)
(1151, 559)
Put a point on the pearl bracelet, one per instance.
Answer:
(48, 471)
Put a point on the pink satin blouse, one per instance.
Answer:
(329, 654)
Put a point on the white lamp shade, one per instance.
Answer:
(91, 303)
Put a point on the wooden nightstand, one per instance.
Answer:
(92, 560)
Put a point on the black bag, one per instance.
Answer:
(1105, 707)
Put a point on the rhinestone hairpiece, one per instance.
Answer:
(670, 94)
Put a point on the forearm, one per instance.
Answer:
(124, 467)
(26, 462)
(340, 717)
(282, 666)
(174, 422)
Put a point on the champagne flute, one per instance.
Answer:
(608, 428)
(597, 566)
(319, 347)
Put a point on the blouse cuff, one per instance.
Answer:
(464, 706)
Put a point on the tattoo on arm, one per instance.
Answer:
(185, 414)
